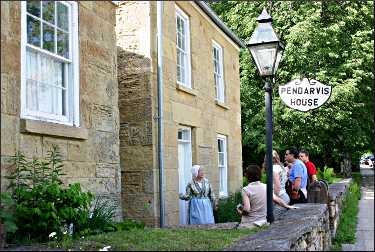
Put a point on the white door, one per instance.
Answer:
(184, 169)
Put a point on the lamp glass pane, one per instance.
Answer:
(264, 56)
(278, 58)
(263, 33)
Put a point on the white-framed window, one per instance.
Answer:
(183, 48)
(222, 164)
(49, 61)
(217, 53)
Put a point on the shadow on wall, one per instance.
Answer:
(136, 144)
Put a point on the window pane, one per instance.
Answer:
(33, 31)
(220, 145)
(221, 179)
(221, 159)
(63, 44)
(179, 73)
(45, 78)
(48, 38)
(182, 26)
(63, 112)
(32, 81)
(48, 11)
(33, 7)
(182, 45)
(179, 135)
(62, 16)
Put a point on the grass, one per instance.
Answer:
(160, 240)
(348, 220)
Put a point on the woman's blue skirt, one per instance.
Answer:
(200, 211)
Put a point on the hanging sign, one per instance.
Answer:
(304, 95)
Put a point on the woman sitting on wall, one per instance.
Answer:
(201, 198)
(254, 199)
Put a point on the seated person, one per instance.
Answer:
(254, 199)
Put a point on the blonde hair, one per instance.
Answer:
(275, 157)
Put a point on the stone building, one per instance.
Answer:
(201, 118)
(59, 86)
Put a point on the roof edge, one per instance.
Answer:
(207, 9)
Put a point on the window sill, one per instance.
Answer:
(52, 129)
(186, 90)
(221, 104)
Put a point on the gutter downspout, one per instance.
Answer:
(159, 16)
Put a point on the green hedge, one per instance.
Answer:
(227, 208)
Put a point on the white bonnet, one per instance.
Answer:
(195, 169)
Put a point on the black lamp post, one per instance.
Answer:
(266, 49)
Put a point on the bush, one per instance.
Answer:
(100, 218)
(327, 174)
(6, 212)
(227, 208)
(129, 224)
(43, 205)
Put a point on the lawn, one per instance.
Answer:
(348, 219)
(160, 239)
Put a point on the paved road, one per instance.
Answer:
(365, 225)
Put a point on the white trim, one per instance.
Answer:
(223, 192)
(221, 86)
(23, 58)
(75, 56)
(180, 13)
(72, 87)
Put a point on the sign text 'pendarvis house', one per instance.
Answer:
(304, 95)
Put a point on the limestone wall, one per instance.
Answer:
(194, 108)
(197, 107)
(137, 127)
(90, 153)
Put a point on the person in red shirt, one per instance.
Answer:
(311, 169)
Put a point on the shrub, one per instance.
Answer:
(6, 212)
(227, 208)
(327, 174)
(43, 205)
(100, 218)
(129, 224)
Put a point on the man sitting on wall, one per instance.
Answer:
(297, 177)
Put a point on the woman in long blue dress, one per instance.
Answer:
(201, 198)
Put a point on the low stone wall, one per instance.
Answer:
(336, 196)
(310, 227)
(305, 228)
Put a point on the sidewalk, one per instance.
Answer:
(365, 224)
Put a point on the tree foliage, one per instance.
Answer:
(330, 41)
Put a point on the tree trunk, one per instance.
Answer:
(346, 166)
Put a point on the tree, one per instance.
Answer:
(331, 41)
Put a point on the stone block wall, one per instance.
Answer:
(137, 126)
(336, 196)
(91, 152)
(310, 227)
(196, 108)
